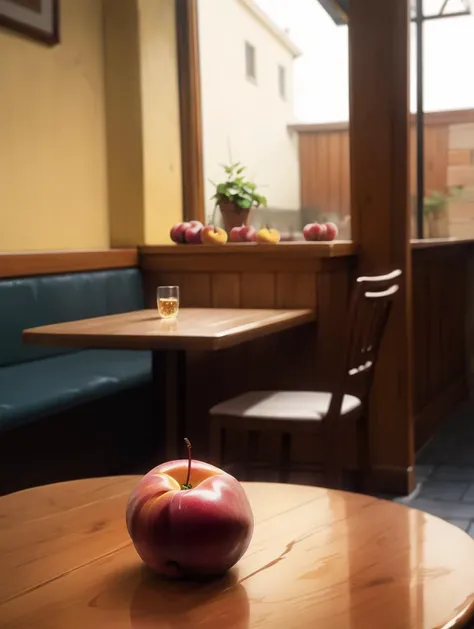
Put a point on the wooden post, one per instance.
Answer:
(379, 91)
(190, 109)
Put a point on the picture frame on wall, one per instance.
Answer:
(37, 19)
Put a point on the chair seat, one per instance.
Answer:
(31, 390)
(283, 405)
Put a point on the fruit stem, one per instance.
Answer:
(187, 485)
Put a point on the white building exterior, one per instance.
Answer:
(245, 117)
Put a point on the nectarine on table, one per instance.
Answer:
(189, 519)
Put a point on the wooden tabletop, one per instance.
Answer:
(318, 558)
(194, 329)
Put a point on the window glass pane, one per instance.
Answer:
(281, 128)
(448, 205)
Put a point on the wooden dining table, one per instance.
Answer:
(195, 329)
(318, 558)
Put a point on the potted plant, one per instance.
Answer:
(236, 196)
(435, 207)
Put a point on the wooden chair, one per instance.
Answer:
(319, 413)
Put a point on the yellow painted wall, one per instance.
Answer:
(143, 125)
(53, 186)
(160, 119)
(124, 123)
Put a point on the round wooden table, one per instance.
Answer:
(319, 558)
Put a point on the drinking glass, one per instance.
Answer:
(167, 301)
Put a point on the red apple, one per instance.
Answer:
(189, 520)
(248, 233)
(193, 234)
(313, 231)
(331, 231)
(307, 232)
(178, 231)
(243, 233)
(195, 224)
(323, 232)
(235, 234)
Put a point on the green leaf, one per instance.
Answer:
(245, 204)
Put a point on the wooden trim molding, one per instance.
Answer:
(283, 249)
(457, 116)
(437, 243)
(51, 262)
(190, 109)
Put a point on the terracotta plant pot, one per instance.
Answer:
(233, 215)
(437, 224)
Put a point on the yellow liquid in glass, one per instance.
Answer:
(168, 307)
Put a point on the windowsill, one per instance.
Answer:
(337, 248)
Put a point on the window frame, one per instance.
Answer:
(250, 62)
(282, 82)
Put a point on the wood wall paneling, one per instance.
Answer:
(439, 335)
(225, 290)
(258, 290)
(296, 290)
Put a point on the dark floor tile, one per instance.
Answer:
(422, 472)
(443, 490)
(469, 495)
(454, 473)
(439, 450)
(443, 509)
(465, 525)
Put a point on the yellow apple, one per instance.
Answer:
(213, 235)
(268, 235)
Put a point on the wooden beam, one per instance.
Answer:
(190, 109)
(379, 112)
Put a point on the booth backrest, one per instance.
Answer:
(41, 300)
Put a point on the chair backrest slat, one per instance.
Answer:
(371, 304)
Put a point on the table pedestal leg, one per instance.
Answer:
(169, 384)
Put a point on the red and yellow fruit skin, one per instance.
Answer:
(195, 533)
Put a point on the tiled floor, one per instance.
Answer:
(445, 472)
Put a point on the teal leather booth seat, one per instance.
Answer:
(38, 381)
